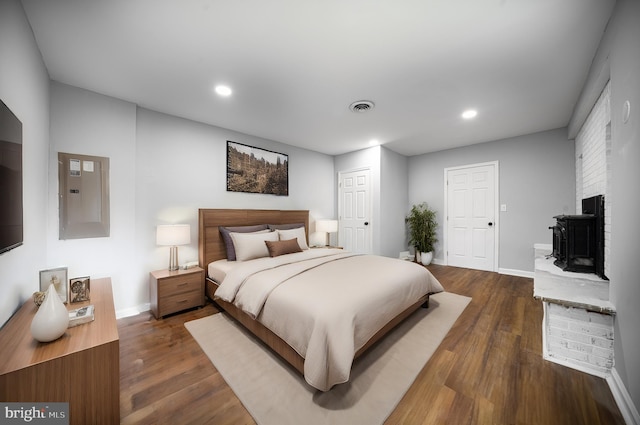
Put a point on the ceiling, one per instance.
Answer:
(295, 66)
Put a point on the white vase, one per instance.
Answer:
(417, 256)
(426, 257)
(51, 319)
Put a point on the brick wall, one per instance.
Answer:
(579, 337)
(593, 162)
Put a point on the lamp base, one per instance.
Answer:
(173, 258)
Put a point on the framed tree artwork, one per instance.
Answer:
(256, 170)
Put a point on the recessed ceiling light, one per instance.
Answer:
(223, 90)
(470, 113)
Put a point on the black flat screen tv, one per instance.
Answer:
(11, 221)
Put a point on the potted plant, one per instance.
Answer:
(422, 231)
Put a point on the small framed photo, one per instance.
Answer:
(57, 278)
(79, 289)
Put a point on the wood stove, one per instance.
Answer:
(578, 240)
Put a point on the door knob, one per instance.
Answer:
(366, 223)
(490, 223)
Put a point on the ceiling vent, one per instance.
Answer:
(361, 106)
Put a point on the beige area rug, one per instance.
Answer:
(275, 393)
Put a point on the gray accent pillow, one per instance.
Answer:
(285, 226)
(228, 242)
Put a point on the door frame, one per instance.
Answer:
(369, 207)
(496, 201)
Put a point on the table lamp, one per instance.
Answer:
(328, 227)
(173, 235)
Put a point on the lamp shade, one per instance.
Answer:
(173, 234)
(327, 226)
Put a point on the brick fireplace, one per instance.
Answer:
(577, 326)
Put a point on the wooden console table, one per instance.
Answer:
(82, 367)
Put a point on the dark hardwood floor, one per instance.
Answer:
(488, 370)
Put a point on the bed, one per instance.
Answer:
(319, 309)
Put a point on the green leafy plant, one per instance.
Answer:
(422, 227)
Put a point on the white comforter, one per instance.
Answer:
(326, 303)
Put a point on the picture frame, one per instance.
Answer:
(256, 170)
(79, 289)
(57, 277)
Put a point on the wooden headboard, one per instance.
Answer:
(210, 244)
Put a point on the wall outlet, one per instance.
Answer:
(404, 255)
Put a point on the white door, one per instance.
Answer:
(354, 211)
(472, 196)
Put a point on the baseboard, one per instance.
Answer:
(514, 272)
(623, 399)
(132, 311)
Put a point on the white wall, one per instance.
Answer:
(537, 181)
(24, 88)
(593, 164)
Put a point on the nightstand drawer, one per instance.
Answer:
(180, 302)
(172, 291)
(170, 286)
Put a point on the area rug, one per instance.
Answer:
(274, 393)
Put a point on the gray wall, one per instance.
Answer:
(24, 88)
(618, 58)
(388, 195)
(537, 181)
(365, 158)
(166, 190)
(163, 169)
(86, 123)
(394, 202)
(181, 166)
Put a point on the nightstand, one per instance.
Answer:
(173, 291)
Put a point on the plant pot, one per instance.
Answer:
(417, 256)
(426, 257)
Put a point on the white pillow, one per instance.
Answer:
(298, 233)
(251, 245)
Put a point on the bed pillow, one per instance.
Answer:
(285, 226)
(278, 248)
(252, 245)
(228, 242)
(297, 233)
